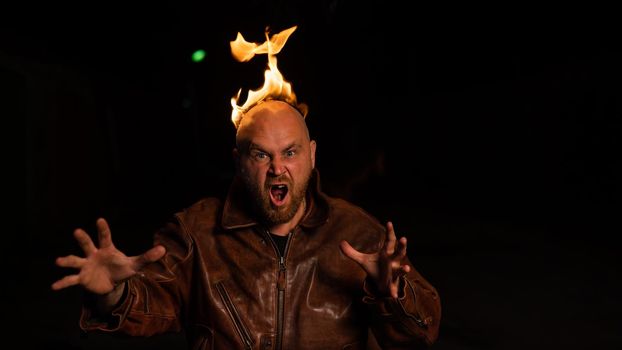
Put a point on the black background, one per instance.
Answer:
(489, 135)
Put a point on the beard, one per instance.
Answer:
(260, 197)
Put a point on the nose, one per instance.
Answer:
(277, 167)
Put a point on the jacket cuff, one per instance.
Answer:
(404, 307)
(91, 320)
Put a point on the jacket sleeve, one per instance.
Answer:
(410, 321)
(154, 299)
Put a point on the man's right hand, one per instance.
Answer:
(103, 268)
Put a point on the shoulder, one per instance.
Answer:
(202, 214)
(355, 224)
(203, 206)
(178, 234)
(183, 228)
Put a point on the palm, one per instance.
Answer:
(102, 268)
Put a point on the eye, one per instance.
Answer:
(290, 153)
(259, 155)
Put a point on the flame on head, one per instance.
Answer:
(274, 87)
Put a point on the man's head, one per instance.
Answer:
(275, 158)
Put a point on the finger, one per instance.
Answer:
(105, 239)
(154, 254)
(66, 281)
(352, 253)
(403, 270)
(85, 241)
(395, 284)
(401, 249)
(393, 289)
(70, 261)
(389, 245)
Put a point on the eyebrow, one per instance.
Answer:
(253, 146)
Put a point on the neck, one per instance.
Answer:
(285, 228)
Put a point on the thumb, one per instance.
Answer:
(154, 254)
(352, 253)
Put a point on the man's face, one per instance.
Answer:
(275, 159)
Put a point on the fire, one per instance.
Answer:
(274, 87)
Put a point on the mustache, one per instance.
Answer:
(278, 180)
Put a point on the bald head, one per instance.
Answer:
(275, 159)
(273, 119)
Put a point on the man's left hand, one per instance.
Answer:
(384, 267)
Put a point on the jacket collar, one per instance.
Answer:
(238, 213)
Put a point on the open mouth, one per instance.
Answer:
(278, 193)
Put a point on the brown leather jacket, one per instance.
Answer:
(223, 281)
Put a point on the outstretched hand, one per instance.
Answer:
(103, 268)
(385, 266)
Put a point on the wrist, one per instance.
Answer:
(109, 301)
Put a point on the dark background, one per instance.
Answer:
(488, 135)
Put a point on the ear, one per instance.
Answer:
(312, 146)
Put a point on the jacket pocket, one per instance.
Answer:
(236, 319)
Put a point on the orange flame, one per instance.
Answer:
(274, 87)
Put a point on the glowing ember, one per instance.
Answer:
(274, 87)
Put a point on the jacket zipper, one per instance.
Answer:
(280, 286)
(235, 316)
(281, 304)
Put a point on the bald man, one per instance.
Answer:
(277, 264)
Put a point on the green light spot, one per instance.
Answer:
(198, 56)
